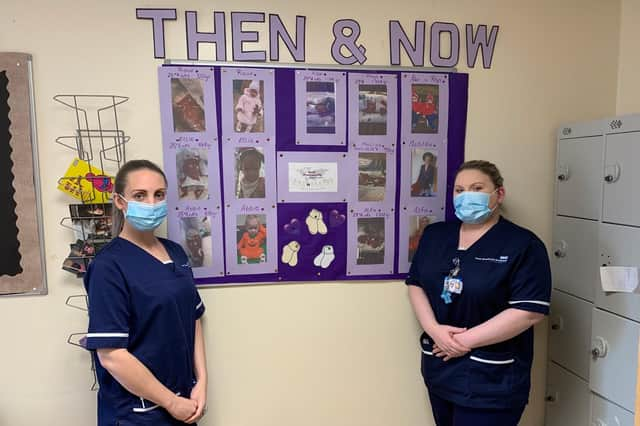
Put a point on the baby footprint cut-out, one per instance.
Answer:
(325, 258)
(315, 224)
(290, 253)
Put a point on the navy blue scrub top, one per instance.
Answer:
(507, 267)
(148, 307)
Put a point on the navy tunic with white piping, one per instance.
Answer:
(148, 307)
(507, 267)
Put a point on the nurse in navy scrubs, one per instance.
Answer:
(144, 313)
(477, 288)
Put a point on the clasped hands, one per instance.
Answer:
(449, 342)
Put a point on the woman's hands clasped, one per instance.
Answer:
(446, 345)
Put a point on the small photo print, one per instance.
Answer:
(197, 241)
(372, 109)
(250, 173)
(424, 108)
(251, 235)
(192, 170)
(248, 111)
(424, 173)
(321, 107)
(313, 177)
(416, 228)
(372, 176)
(370, 241)
(91, 222)
(187, 102)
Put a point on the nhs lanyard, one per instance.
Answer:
(452, 282)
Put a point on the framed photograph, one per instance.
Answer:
(372, 109)
(416, 228)
(248, 109)
(196, 241)
(424, 108)
(370, 241)
(187, 104)
(372, 176)
(251, 237)
(91, 222)
(192, 166)
(250, 173)
(424, 173)
(321, 107)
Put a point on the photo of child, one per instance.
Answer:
(424, 108)
(321, 107)
(187, 103)
(370, 239)
(424, 173)
(196, 241)
(372, 109)
(249, 109)
(192, 170)
(372, 176)
(252, 238)
(250, 171)
(416, 228)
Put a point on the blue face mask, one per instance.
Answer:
(472, 207)
(143, 216)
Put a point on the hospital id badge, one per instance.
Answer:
(453, 284)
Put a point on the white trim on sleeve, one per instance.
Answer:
(535, 302)
(199, 305)
(107, 335)
(426, 352)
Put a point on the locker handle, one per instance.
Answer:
(550, 398)
(598, 422)
(612, 173)
(557, 323)
(561, 249)
(563, 173)
(599, 348)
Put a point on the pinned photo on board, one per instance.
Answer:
(248, 96)
(250, 173)
(192, 170)
(370, 238)
(424, 173)
(91, 222)
(321, 107)
(372, 109)
(372, 176)
(251, 235)
(416, 228)
(424, 108)
(187, 103)
(197, 241)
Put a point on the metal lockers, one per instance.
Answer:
(614, 346)
(570, 333)
(579, 177)
(575, 257)
(605, 413)
(619, 246)
(567, 397)
(621, 201)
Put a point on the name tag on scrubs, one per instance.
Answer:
(453, 285)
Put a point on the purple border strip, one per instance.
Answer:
(458, 104)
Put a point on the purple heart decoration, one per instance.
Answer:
(335, 218)
(293, 227)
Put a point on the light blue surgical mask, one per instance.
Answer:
(143, 216)
(473, 206)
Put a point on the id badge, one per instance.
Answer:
(454, 285)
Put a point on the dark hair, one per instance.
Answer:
(427, 154)
(117, 218)
(485, 167)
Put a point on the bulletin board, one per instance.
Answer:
(301, 174)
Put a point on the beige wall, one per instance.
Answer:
(300, 354)
(628, 101)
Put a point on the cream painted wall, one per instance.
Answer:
(628, 101)
(323, 354)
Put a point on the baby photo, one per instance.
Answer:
(424, 108)
(372, 109)
(196, 240)
(250, 171)
(321, 107)
(251, 235)
(248, 106)
(416, 228)
(372, 176)
(370, 238)
(192, 171)
(424, 173)
(187, 104)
